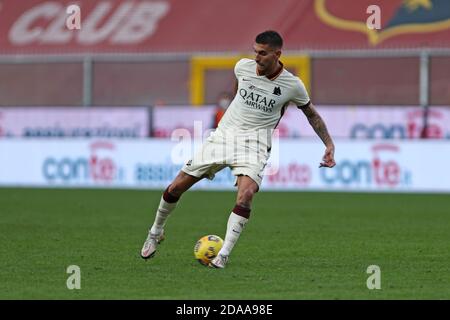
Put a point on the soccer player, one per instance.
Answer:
(263, 90)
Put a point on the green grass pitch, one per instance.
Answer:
(297, 245)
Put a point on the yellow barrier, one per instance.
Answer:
(200, 64)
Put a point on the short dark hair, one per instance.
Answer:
(270, 37)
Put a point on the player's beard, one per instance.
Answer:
(262, 68)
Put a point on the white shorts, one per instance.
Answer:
(242, 155)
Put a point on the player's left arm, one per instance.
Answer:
(319, 126)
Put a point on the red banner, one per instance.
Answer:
(37, 26)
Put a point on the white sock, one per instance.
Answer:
(164, 209)
(235, 226)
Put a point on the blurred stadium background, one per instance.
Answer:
(96, 107)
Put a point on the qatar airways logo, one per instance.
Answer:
(118, 22)
(257, 101)
(412, 128)
(98, 167)
(382, 170)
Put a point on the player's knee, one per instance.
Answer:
(175, 189)
(179, 185)
(245, 197)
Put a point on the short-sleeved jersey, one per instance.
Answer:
(260, 102)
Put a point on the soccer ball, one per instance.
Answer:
(207, 248)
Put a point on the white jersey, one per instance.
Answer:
(260, 102)
(243, 139)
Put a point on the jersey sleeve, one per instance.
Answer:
(301, 97)
(238, 68)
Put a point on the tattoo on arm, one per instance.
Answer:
(317, 123)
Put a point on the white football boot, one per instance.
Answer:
(219, 262)
(149, 248)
